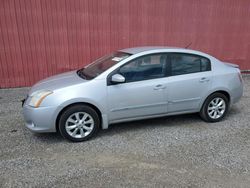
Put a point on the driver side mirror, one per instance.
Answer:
(117, 78)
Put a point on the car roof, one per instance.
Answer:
(136, 50)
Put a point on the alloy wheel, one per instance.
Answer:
(216, 108)
(79, 125)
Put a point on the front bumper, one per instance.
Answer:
(40, 119)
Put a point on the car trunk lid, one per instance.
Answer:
(231, 65)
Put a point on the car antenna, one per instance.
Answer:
(188, 45)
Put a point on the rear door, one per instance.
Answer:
(189, 81)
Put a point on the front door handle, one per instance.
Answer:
(159, 86)
(204, 79)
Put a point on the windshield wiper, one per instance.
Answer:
(81, 74)
(84, 75)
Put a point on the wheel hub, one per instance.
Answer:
(79, 125)
(216, 108)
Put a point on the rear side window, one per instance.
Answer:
(188, 63)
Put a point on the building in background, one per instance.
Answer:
(39, 38)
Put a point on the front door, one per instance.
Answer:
(142, 94)
(136, 99)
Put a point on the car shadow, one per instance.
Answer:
(167, 121)
(49, 137)
(235, 110)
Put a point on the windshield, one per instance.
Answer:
(102, 64)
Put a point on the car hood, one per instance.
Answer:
(57, 82)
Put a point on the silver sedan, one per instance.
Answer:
(132, 84)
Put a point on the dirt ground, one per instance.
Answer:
(178, 151)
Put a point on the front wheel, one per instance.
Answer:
(214, 108)
(79, 123)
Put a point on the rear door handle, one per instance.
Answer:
(204, 79)
(159, 86)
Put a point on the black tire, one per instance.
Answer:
(82, 109)
(204, 110)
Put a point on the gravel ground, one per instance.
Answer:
(179, 151)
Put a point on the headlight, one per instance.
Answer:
(37, 98)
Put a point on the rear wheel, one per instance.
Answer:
(79, 123)
(214, 108)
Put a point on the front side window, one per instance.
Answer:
(102, 64)
(144, 68)
(188, 63)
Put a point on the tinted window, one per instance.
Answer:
(144, 68)
(188, 63)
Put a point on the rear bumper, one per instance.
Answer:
(237, 93)
(40, 119)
